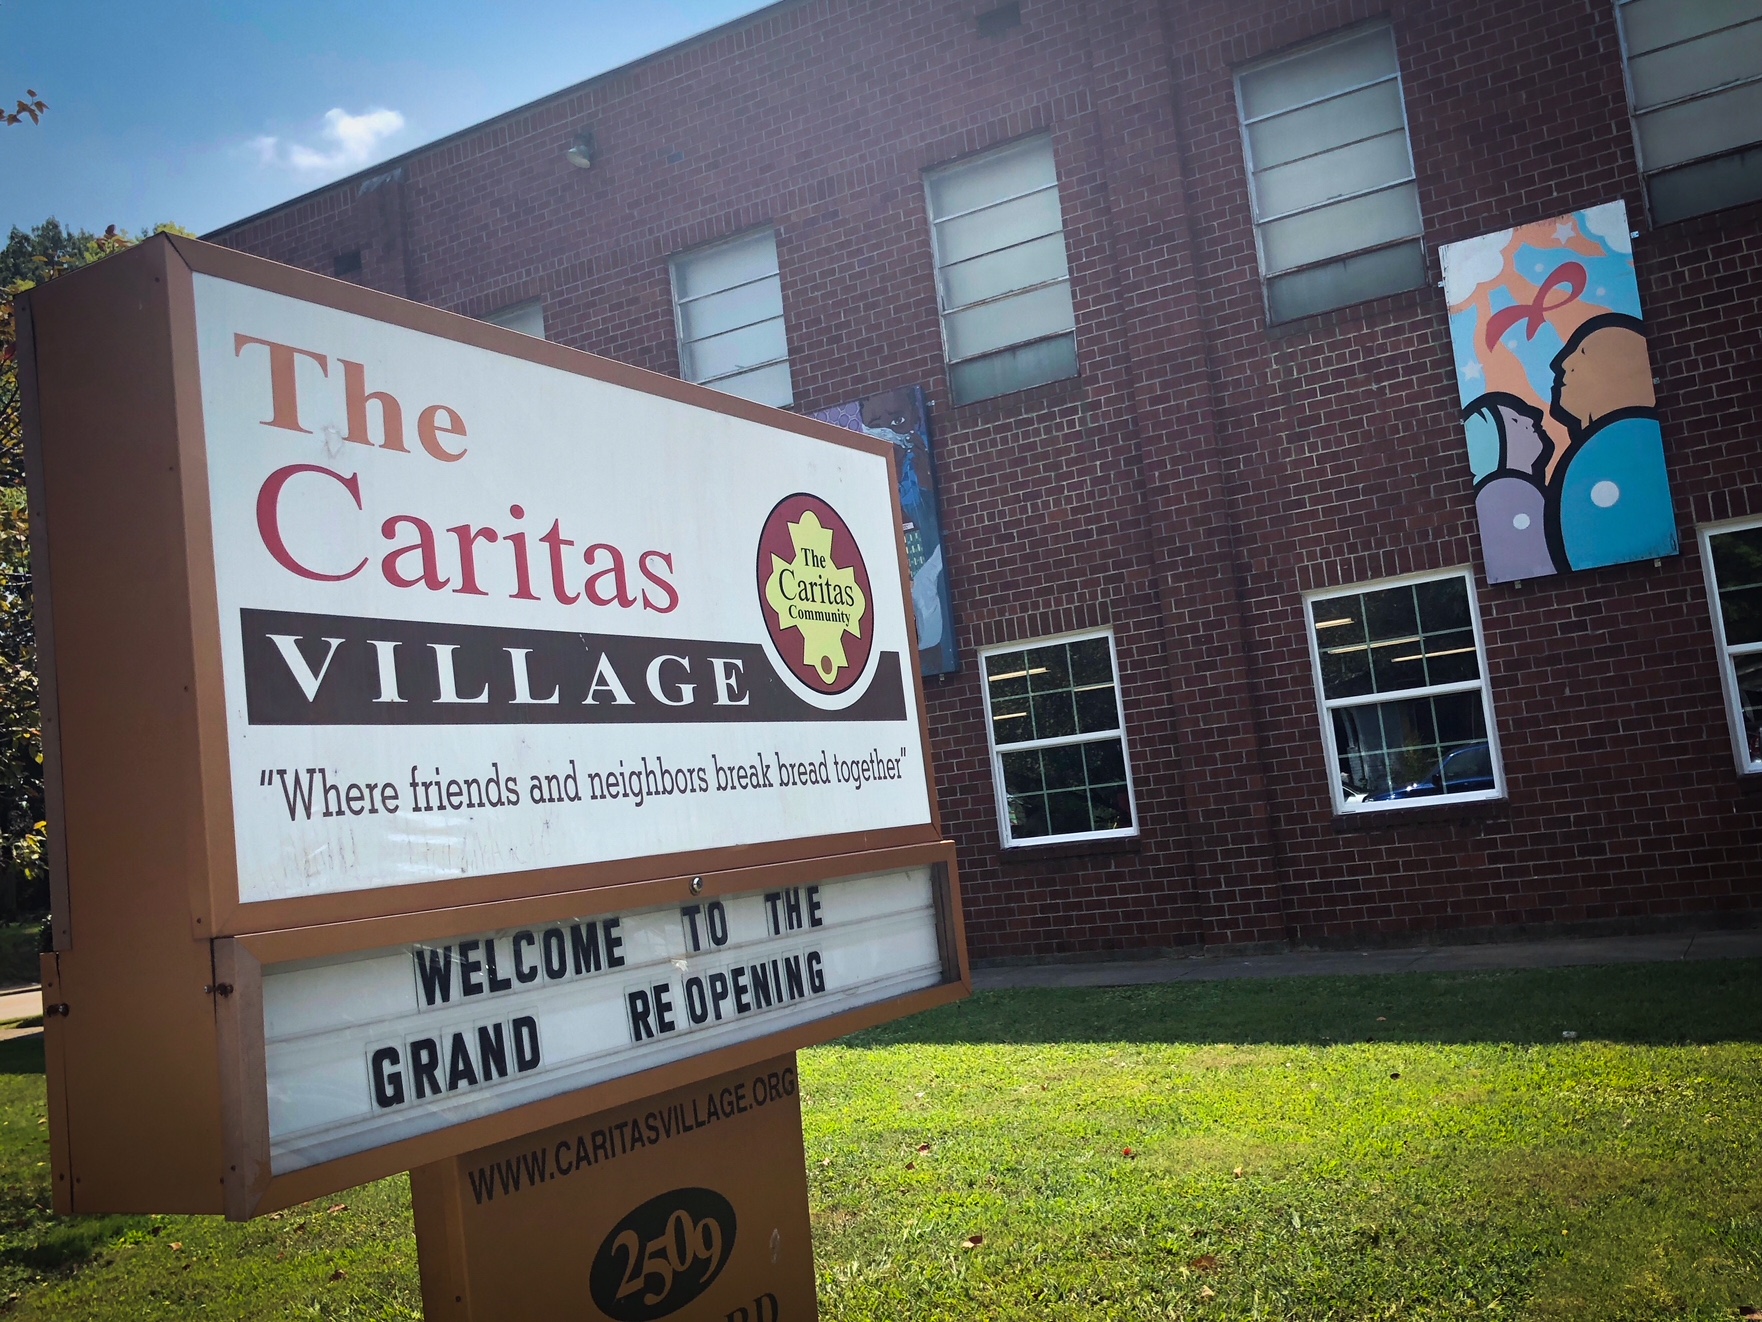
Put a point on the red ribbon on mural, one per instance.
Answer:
(1569, 276)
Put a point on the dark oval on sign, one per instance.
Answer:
(662, 1255)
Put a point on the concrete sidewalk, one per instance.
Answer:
(1556, 953)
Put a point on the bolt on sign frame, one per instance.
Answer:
(447, 733)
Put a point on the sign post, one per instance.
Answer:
(450, 737)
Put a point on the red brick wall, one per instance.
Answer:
(1204, 471)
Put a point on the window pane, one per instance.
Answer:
(1344, 227)
(1405, 637)
(1343, 283)
(527, 318)
(1070, 812)
(1110, 807)
(1721, 122)
(1049, 669)
(997, 273)
(990, 326)
(1021, 773)
(1737, 568)
(1104, 762)
(1748, 673)
(1013, 369)
(1054, 715)
(1442, 604)
(1451, 657)
(1341, 64)
(732, 309)
(1650, 24)
(996, 227)
(990, 178)
(1337, 173)
(1694, 190)
(769, 385)
(1091, 662)
(736, 351)
(1028, 818)
(1063, 767)
(727, 264)
(1697, 66)
(1332, 124)
(1413, 748)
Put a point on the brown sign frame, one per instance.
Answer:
(152, 1057)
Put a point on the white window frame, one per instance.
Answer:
(1001, 796)
(1412, 176)
(680, 339)
(943, 310)
(1634, 113)
(1724, 651)
(1326, 706)
(507, 317)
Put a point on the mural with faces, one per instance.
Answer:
(1556, 389)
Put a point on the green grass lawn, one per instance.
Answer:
(1415, 1146)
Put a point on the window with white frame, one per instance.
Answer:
(1731, 555)
(1002, 282)
(1058, 745)
(728, 303)
(1330, 174)
(527, 318)
(1694, 81)
(1400, 672)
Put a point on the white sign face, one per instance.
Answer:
(481, 616)
(364, 1050)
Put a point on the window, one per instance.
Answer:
(527, 318)
(1694, 79)
(728, 302)
(1732, 558)
(1058, 746)
(1002, 282)
(1330, 175)
(1400, 671)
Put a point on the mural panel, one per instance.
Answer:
(901, 416)
(1557, 400)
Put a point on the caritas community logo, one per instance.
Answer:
(814, 593)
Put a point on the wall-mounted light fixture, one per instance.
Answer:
(580, 153)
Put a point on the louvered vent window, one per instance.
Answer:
(1336, 207)
(1694, 75)
(728, 301)
(1001, 276)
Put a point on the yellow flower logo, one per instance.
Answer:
(815, 590)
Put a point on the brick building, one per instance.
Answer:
(1222, 418)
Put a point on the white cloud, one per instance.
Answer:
(349, 141)
(1470, 264)
(1609, 223)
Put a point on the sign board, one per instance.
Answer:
(371, 632)
(692, 1204)
(367, 1048)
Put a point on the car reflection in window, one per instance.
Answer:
(1465, 771)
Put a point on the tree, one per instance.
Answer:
(28, 259)
(31, 109)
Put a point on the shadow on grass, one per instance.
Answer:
(1644, 1004)
(22, 1055)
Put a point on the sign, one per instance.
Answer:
(1557, 400)
(692, 1204)
(477, 615)
(414, 692)
(369, 1048)
(902, 418)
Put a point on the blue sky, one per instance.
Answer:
(201, 113)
